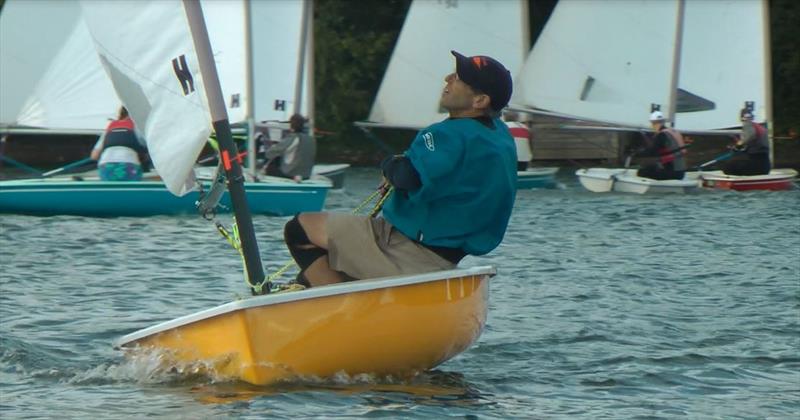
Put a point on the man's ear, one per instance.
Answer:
(481, 101)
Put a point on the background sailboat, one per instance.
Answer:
(628, 55)
(408, 97)
(357, 327)
(609, 61)
(70, 93)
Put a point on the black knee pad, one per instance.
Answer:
(301, 248)
(294, 234)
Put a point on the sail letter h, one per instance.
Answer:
(183, 74)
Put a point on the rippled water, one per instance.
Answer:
(604, 306)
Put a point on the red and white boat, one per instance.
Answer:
(777, 179)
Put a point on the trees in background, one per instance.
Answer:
(354, 41)
(785, 32)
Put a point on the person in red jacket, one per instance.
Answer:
(754, 144)
(118, 150)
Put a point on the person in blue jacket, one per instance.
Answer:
(454, 189)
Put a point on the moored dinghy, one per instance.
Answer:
(776, 180)
(537, 178)
(390, 326)
(626, 180)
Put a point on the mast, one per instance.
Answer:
(526, 29)
(310, 82)
(676, 63)
(228, 152)
(249, 90)
(768, 76)
(301, 60)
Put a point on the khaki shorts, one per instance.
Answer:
(364, 247)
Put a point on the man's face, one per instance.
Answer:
(457, 95)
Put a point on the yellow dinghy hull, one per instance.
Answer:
(392, 326)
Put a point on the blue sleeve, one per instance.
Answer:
(435, 154)
(399, 171)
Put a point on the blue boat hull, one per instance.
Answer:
(147, 198)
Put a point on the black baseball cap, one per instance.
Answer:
(486, 75)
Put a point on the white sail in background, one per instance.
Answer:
(605, 61)
(609, 61)
(275, 26)
(49, 73)
(227, 29)
(723, 61)
(53, 79)
(150, 58)
(412, 85)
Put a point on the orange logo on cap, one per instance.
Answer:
(479, 61)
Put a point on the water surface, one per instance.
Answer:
(604, 306)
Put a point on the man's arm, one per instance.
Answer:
(399, 171)
(277, 149)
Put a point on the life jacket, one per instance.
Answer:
(674, 151)
(121, 133)
(521, 136)
(761, 143)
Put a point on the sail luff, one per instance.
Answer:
(231, 162)
(249, 113)
(768, 76)
(676, 62)
(309, 75)
(301, 60)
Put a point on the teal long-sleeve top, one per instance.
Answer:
(468, 175)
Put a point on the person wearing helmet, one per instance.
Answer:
(451, 192)
(669, 147)
(753, 145)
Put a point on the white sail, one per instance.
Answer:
(227, 29)
(412, 85)
(604, 61)
(156, 75)
(723, 61)
(609, 61)
(275, 26)
(51, 78)
(49, 73)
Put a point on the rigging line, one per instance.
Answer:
(233, 238)
(383, 191)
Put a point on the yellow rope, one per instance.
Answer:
(233, 239)
(372, 213)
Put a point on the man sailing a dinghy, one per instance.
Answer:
(754, 144)
(454, 189)
(669, 147)
(293, 157)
